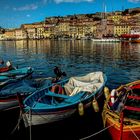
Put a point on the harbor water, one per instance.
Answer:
(119, 61)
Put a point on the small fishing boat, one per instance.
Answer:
(121, 113)
(61, 100)
(18, 71)
(14, 75)
(8, 83)
(4, 69)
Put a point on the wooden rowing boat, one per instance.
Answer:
(122, 115)
(61, 100)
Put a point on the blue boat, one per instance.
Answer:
(7, 81)
(15, 74)
(61, 100)
(18, 71)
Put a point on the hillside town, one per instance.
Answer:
(81, 26)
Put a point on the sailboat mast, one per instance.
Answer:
(104, 10)
(122, 5)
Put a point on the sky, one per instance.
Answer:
(13, 13)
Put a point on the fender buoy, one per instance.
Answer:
(112, 97)
(57, 89)
(106, 92)
(95, 105)
(81, 109)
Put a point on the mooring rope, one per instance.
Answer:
(30, 113)
(134, 133)
(17, 125)
(96, 133)
(19, 119)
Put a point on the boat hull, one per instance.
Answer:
(9, 104)
(38, 118)
(4, 69)
(127, 132)
(135, 41)
(106, 40)
(120, 124)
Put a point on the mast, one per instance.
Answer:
(104, 10)
(122, 5)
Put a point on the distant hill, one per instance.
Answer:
(132, 11)
(137, 10)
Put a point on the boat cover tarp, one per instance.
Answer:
(90, 83)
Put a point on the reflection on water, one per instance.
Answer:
(120, 61)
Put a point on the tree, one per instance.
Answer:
(2, 30)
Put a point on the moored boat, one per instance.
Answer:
(18, 71)
(7, 67)
(4, 69)
(121, 112)
(133, 37)
(14, 75)
(61, 100)
(105, 39)
(9, 99)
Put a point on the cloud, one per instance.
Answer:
(60, 1)
(134, 1)
(26, 7)
(36, 5)
(32, 6)
(28, 15)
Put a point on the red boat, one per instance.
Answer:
(4, 69)
(131, 37)
(122, 115)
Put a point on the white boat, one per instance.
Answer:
(106, 39)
